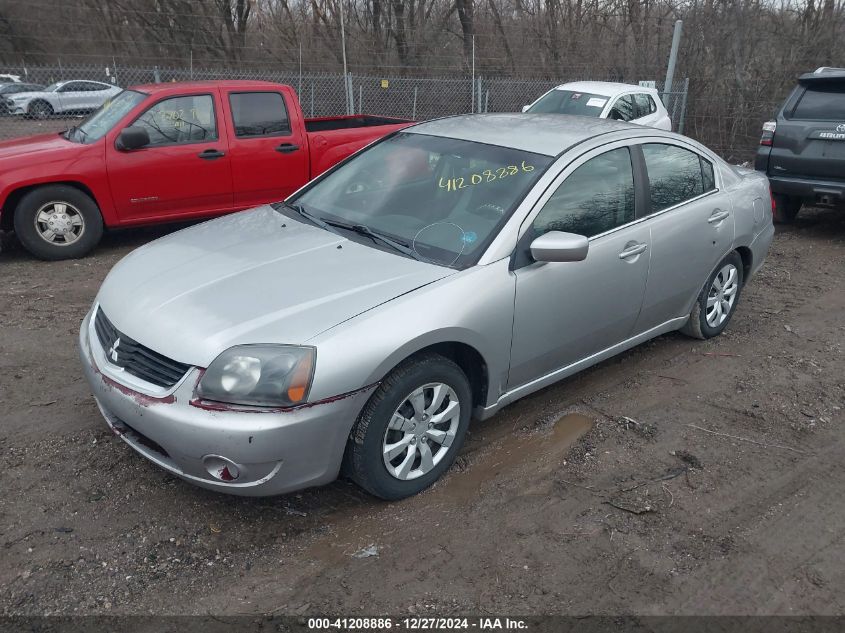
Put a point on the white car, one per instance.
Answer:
(67, 97)
(605, 100)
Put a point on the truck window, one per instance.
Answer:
(259, 114)
(178, 120)
(821, 103)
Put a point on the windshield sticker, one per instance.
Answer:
(596, 103)
(575, 96)
(469, 237)
(488, 175)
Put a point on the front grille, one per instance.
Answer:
(134, 358)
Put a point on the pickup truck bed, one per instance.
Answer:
(169, 152)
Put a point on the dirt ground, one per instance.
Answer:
(681, 477)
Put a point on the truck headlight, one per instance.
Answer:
(260, 375)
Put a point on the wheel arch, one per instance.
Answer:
(747, 261)
(464, 355)
(10, 204)
(38, 100)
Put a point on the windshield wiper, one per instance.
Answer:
(311, 217)
(360, 229)
(363, 229)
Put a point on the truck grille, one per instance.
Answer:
(134, 358)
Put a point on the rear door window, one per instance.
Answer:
(644, 105)
(824, 102)
(259, 114)
(675, 175)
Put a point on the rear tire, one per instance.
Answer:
(58, 222)
(785, 209)
(40, 110)
(717, 301)
(411, 429)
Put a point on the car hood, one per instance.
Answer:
(43, 147)
(252, 277)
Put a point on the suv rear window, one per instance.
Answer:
(821, 103)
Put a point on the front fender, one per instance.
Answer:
(473, 307)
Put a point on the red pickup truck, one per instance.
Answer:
(166, 152)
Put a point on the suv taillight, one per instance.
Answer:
(768, 136)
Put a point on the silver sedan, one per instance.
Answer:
(432, 278)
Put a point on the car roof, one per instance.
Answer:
(603, 88)
(548, 134)
(203, 85)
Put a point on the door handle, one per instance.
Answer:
(286, 148)
(211, 154)
(633, 251)
(717, 216)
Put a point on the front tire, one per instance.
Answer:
(411, 429)
(785, 209)
(58, 222)
(717, 301)
(40, 110)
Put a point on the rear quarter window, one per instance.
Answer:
(821, 103)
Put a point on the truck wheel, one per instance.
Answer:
(58, 222)
(411, 429)
(785, 209)
(40, 110)
(717, 301)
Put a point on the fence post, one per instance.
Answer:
(472, 81)
(414, 115)
(683, 106)
(673, 56)
(350, 95)
(156, 75)
(360, 98)
(312, 98)
(479, 108)
(487, 101)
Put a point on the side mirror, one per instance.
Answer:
(525, 108)
(557, 246)
(133, 138)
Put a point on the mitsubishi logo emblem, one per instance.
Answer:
(840, 127)
(113, 350)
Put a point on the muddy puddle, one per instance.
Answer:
(493, 453)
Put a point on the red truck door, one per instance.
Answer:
(267, 145)
(186, 168)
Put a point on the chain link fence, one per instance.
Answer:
(321, 94)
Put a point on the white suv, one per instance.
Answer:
(605, 100)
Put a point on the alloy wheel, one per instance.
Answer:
(722, 295)
(59, 223)
(421, 431)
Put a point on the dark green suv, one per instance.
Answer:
(802, 150)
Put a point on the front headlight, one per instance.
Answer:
(260, 375)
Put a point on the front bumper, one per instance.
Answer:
(264, 453)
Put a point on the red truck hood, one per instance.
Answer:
(41, 147)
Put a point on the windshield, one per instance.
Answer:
(442, 198)
(569, 102)
(113, 110)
